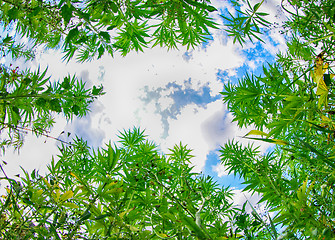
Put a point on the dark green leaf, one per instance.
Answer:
(40, 102)
(66, 83)
(66, 12)
(114, 6)
(86, 215)
(72, 34)
(55, 105)
(97, 91)
(105, 35)
(101, 51)
(13, 13)
(75, 109)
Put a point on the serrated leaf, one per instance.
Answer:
(75, 109)
(133, 229)
(111, 27)
(39, 193)
(56, 195)
(190, 223)
(13, 13)
(113, 157)
(7, 39)
(211, 8)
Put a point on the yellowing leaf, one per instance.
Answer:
(37, 195)
(279, 142)
(303, 191)
(39, 192)
(256, 132)
(275, 141)
(66, 196)
(322, 88)
(70, 205)
(133, 229)
(57, 195)
(114, 190)
(121, 215)
(74, 175)
(319, 69)
(325, 118)
(317, 75)
(110, 185)
(46, 182)
(323, 100)
(162, 235)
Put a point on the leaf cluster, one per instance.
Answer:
(291, 104)
(28, 101)
(246, 24)
(88, 29)
(129, 192)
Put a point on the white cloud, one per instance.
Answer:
(240, 197)
(35, 153)
(220, 169)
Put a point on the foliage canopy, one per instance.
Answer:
(131, 190)
(291, 104)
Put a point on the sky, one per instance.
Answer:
(173, 95)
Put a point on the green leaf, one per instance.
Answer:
(211, 8)
(66, 83)
(15, 115)
(111, 27)
(75, 109)
(114, 6)
(86, 215)
(41, 102)
(13, 13)
(190, 223)
(55, 105)
(105, 35)
(97, 91)
(101, 51)
(275, 141)
(66, 12)
(72, 34)
(7, 40)
(26, 81)
(113, 157)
